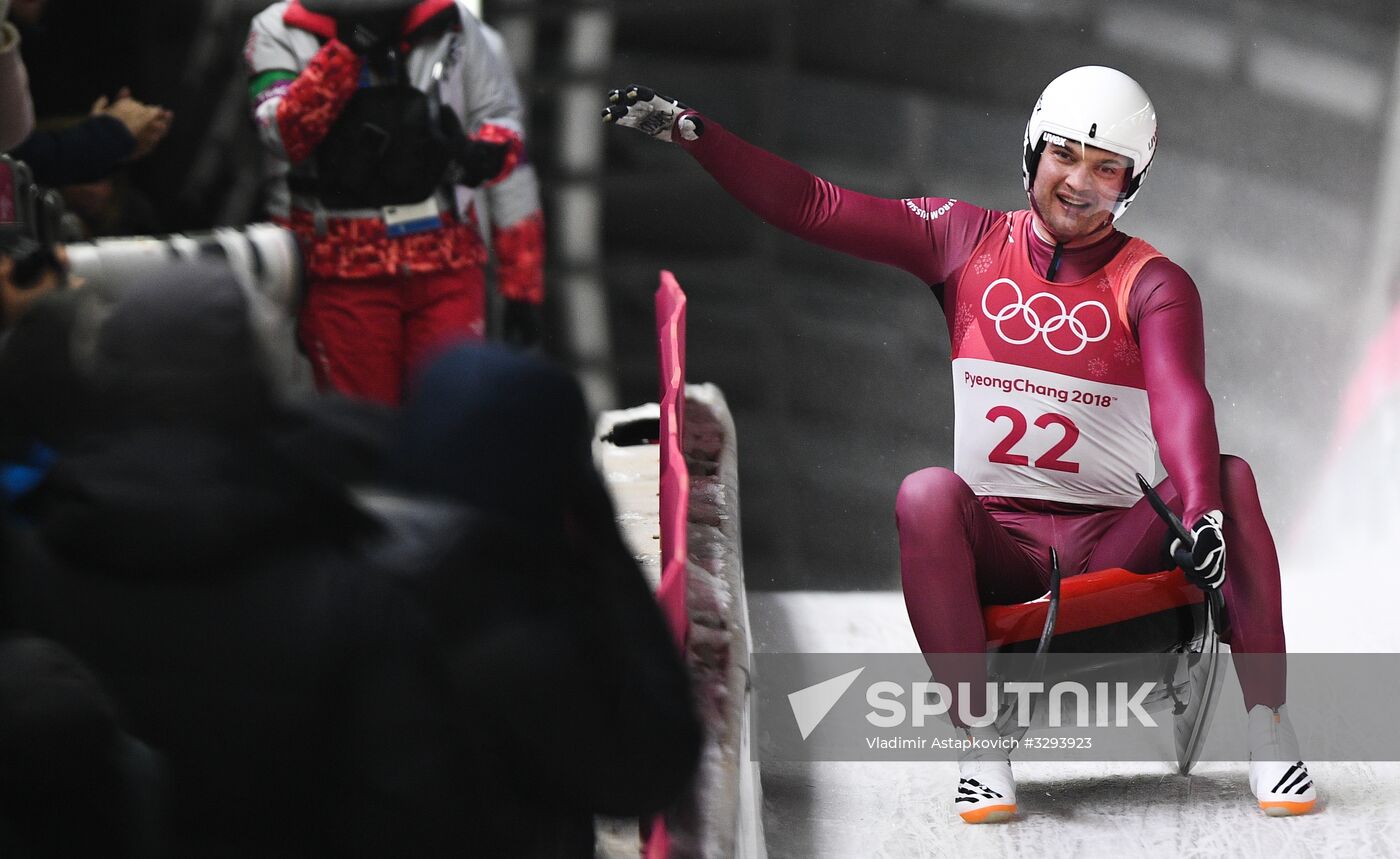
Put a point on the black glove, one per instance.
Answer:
(522, 324)
(369, 33)
(473, 161)
(1204, 563)
(478, 161)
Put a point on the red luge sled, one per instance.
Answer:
(1125, 615)
(1107, 599)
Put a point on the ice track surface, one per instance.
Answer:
(857, 810)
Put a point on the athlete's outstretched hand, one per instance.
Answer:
(1204, 563)
(651, 113)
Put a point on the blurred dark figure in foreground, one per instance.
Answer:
(72, 784)
(570, 690)
(45, 406)
(218, 589)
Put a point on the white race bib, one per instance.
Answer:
(1029, 433)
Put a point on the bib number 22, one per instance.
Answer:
(1050, 459)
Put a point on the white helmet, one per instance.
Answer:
(1101, 107)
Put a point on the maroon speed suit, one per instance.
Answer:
(961, 549)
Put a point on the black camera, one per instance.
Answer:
(32, 221)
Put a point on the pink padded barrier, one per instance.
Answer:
(675, 490)
(675, 480)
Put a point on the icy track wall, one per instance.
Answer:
(681, 497)
(702, 592)
(722, 815)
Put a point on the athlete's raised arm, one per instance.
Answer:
(927, 237)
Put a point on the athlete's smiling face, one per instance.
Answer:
(1075, 189)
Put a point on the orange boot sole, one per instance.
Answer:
(1280, 808)
(990, 814)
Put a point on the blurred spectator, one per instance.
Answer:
(394, 261)
(44, 403)
(72, 783)
(219, 591)
(116, 131)
(570, 690)
(344, 439)
(87, 152)
(17, 113)
(46, 407)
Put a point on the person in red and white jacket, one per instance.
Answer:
(382, 115)
(1063, 330)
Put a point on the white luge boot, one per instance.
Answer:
(986, 789)
(1277, 774)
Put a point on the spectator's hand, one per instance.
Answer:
(523, 324)
(147, 123)
(1204, 562)
(651, 113)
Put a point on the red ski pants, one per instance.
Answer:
(366, 337)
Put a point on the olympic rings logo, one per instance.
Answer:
(1044, 327)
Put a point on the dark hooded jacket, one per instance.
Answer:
(571, 692)
(71, 782)
(42, 395)
(218, 590)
